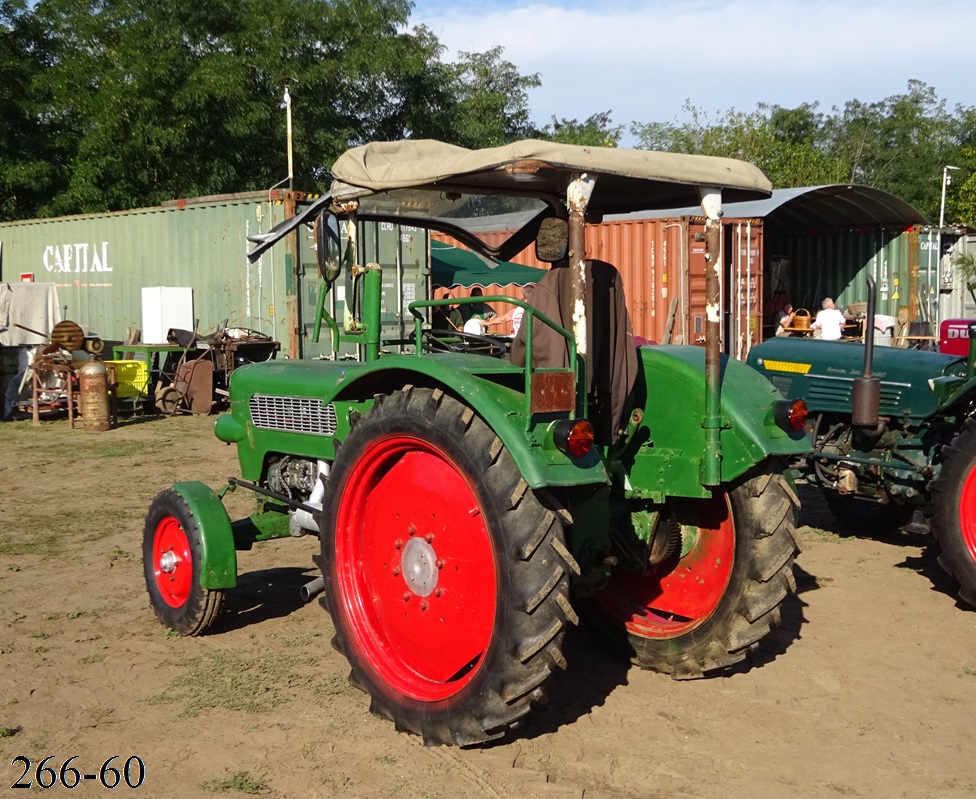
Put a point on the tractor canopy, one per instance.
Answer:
(465, 192)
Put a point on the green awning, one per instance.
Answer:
(453, 266)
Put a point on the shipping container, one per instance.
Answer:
(101, 263)
(806, 268)
(662, 265)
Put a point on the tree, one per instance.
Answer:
(491, 105)
(784, 143)
(124, 103)
(595, 131)
(25, 154)
(897, 144)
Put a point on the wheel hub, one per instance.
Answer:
(419, 566)
(168, 562)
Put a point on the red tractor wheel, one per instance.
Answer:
(171, 562)
(718, 588)
(954, 522)
(446, 578)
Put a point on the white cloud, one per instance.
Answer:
(645, 59)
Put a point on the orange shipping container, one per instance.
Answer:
(662, 264)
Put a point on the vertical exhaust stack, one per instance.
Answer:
(867, 388)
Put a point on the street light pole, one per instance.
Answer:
(946, 180)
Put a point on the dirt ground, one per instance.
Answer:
(868, 689)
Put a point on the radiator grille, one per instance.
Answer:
(293, 414)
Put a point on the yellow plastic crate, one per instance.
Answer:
(132, 378)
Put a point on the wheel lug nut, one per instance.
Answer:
(406, 596)
(439, 564)
(423, 604)
(396, 571)
(398, 544)
(438, 592)
(412, 529)
(429, 538)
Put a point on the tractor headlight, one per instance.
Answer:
(574, 437)
(791, 415)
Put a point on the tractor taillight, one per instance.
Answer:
(574, 437)
(792, 415)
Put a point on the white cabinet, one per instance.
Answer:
(164, 307)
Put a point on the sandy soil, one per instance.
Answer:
(868, 689)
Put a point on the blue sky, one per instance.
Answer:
(643, 59)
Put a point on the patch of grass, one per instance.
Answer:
(118, 553)
(232, 681)
(8, 732)
(819, 534)
(240, 781)
(41, 540)
(968, 671)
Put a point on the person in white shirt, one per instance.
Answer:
(830, 321)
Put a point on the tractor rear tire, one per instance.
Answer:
(446, 576)
(954, 522)
(171, 558)
(720, 593)
(861, 517)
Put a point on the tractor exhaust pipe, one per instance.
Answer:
(867, 388)
(312, 589)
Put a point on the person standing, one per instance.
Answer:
(830, 321)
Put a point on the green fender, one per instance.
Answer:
(667, 449)
(218, 558)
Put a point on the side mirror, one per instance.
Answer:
(552, 240)
(327, 248)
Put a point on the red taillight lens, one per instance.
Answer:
(574, 437)
(792, 415)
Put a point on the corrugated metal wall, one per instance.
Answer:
(662, 266)
(805, 268)
(101, 262)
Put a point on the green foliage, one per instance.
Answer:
(595, 131)
(127, 103)
(491, 101)
(899, 144)
(965, 265)
(114, 104)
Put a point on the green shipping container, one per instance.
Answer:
(101, 263)
(806, 267)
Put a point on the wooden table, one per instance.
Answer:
(799, 332)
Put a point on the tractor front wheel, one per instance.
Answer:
(719, 589)
(447, 578)
(954, 522)
(171, 557)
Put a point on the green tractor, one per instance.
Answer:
(893, 432)
(473, 496)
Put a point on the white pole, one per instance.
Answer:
(291, 162)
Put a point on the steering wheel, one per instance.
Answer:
(459, 341)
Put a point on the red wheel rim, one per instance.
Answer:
(683, 593)
(415, 569)
(967, 513)
(172, 562)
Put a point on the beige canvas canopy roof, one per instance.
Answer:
(627, 180)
